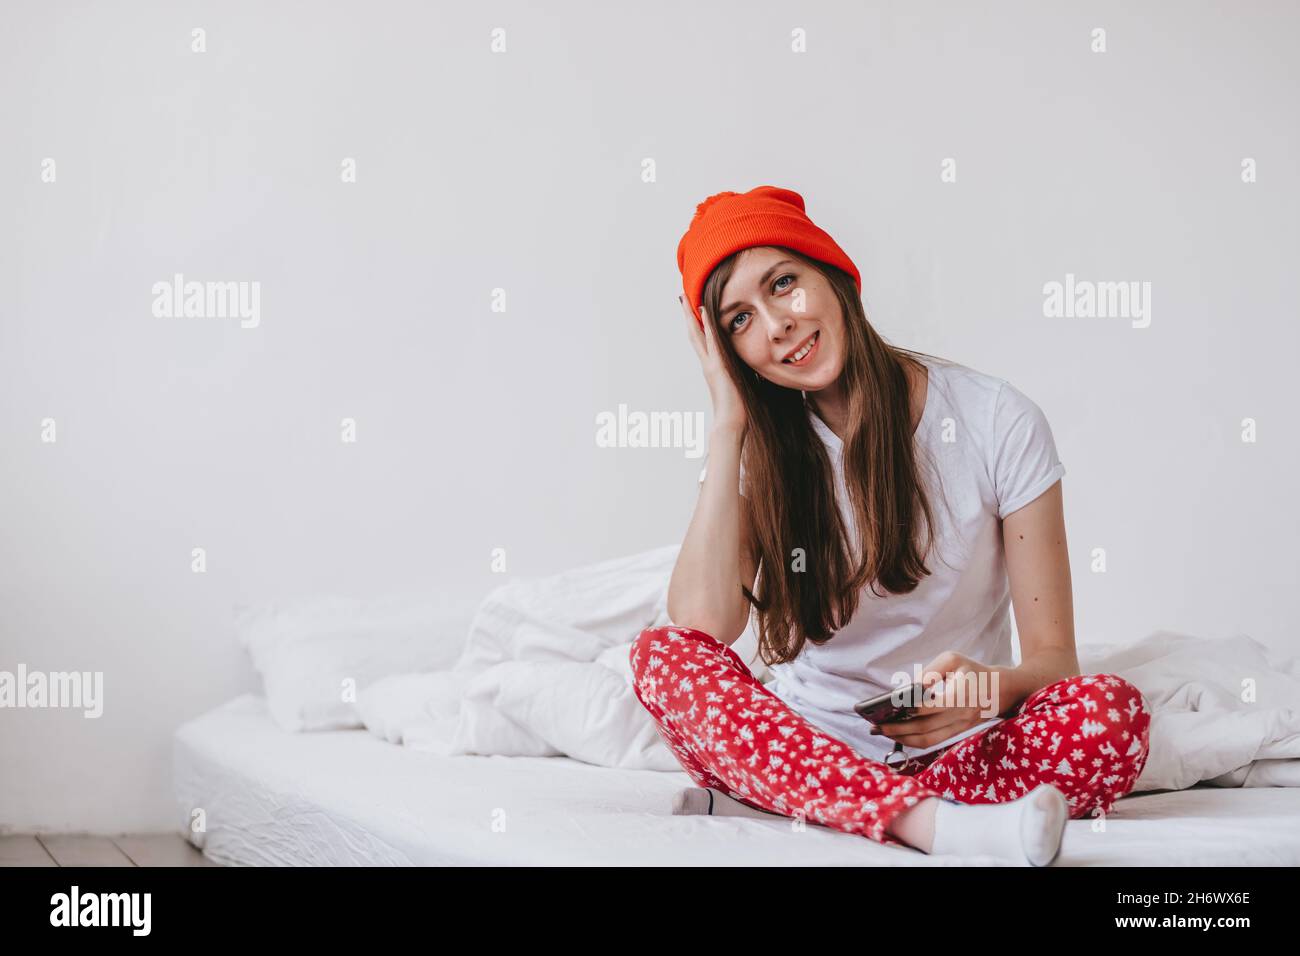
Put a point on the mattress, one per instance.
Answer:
(340, 798)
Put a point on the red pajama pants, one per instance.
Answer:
(1086, 735)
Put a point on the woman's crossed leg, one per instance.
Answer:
(1086, 735)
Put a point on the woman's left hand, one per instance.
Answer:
(969, 696)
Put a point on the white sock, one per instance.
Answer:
(706, 800)
(1027, 830)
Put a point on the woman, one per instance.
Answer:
(891, 507)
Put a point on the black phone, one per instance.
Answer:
(892, 706)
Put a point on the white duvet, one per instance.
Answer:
(545, 672)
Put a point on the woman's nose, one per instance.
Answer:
(778, 325)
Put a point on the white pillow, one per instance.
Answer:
(582, 709)
(400, 708)
(315, 654)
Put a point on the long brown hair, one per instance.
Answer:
(790, 491)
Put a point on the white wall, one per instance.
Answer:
(523, 171)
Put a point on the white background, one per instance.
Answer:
(523, 171)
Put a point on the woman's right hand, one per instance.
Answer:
(728, 406)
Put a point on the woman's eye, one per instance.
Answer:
(736, 321)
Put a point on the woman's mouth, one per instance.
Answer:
(805, 352)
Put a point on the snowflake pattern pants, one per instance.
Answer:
(1086, 735)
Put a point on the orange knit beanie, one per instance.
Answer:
(727, 222)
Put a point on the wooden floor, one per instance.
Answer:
(145, 849)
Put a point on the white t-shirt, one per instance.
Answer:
(995, 453)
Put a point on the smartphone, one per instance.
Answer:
(892, 706)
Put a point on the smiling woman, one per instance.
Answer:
(877, 510)
(867, 393)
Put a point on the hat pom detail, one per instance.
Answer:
(703, 207)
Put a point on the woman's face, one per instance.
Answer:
(784, 320)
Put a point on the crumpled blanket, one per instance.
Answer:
(545, 672)
(1225, 711)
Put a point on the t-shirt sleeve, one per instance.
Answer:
(1025, 462)
(706, 468)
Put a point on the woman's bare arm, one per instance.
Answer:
(717, 555)
(1038, 570)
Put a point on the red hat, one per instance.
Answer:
(727, 222)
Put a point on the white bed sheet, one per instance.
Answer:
(345, 797)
